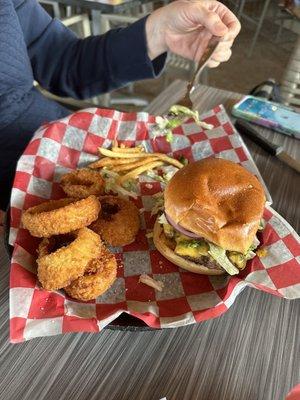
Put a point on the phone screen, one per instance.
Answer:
(270, 114)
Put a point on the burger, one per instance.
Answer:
(212, 212)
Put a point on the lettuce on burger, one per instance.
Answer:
(213, 210)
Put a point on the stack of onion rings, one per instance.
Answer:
(55, 217)
(118, 222)
(82, 183)
(99, 276)
(71, 256)
(57, 267)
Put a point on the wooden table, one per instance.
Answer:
(249, 353)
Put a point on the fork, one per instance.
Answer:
(186, 99)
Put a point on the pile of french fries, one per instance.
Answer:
(130, 162)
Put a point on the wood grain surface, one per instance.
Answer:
(249, 353)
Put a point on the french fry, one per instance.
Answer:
(99, 163)
(115, 143)
(109, 162)
(169, 160)
(137, 171)
(115, 154)
(138, 149)
(164, 157)
(132, 164)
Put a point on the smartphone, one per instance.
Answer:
(271, 115)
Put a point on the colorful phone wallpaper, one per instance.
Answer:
(271, 115)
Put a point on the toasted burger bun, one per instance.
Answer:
(162, 246)
(218, 200)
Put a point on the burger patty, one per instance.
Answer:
(204, 260)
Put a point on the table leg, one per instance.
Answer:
(240, 9)
(259, 26)
(96, 22)
(56, 10)
(69, 11)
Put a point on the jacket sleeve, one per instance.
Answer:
(82, 68)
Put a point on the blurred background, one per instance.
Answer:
(267, 47)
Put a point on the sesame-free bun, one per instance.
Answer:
(218, 200)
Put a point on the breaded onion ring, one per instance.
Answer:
(118, 222)
(55, 217)
(98, 277)
(81, 183)
(58, 266)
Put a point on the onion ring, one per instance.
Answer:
(99, 276)
(82, 183)
(55, 217)
(58, 266)
(118, 222)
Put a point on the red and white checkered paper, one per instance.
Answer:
(187, 298)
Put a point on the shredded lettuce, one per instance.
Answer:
(262, 225)
(169, 122)
(163, 179)
(184, 112)
(162, 219)
(183, 160)
(159, 204)
(165, 126)
(111, 185)
(155, 176)
(220, 256)
(249, 255)
(175, 117)
(192, 243)
(169, 174)
(130, 185)
(255, 243)
(169, 136)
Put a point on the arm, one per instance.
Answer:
(82, 68)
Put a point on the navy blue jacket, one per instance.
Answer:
(33, 46)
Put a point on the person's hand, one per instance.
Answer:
(185, 27)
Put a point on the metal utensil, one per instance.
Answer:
(272, 148)
(186, 100)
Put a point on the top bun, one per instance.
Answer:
(218, 200)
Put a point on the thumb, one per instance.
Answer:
(209, 19)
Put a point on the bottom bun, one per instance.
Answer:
(160, 242)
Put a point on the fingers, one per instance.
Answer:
(224, 45)
(230, 21)
(216, 17)
(213, 64)
(222, 56)
(200, 15)
(222, 53)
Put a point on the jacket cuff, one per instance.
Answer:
(127, 54)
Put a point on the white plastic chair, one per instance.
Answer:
(258, 22)
(81, 23)
(56, 8)
(290, 84)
